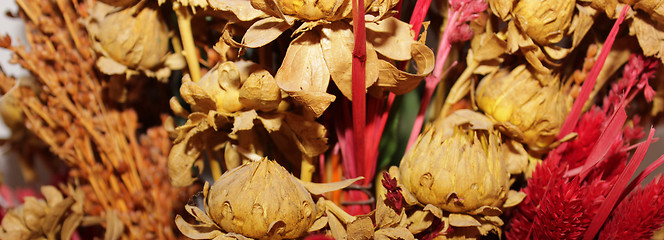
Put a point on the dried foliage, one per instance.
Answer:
(121, 172)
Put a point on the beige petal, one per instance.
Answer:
(110, 67)
(308, 135)
(320, 188)
(197, 97)
(514, 198)
(337, 229)
(360, 229)
(180, 160)
(303, 68)
(263, 32)
(260, 91)
(650, 35)
(393, 234)
(319, 224)
(70, 224)
(195, 231)
(316, 102)
(391, 38)
(53, 195)
(400, 82)
(114, 226)
(242, 9)
(337, 43)
(463, 220)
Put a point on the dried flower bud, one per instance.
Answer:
(532, 112)
(135, 37)
(457, 165)
(330, 10)
(544, 21)
(261, 200)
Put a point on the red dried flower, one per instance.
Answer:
(318, 237)
(393, 195)
(638, 216)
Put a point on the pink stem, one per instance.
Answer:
(432, 80)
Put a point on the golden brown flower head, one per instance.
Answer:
(457, 165)
(531, 111)
(134, 38)
(330, 10)
(544, 21)
(261, 200)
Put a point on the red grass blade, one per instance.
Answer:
(589, 83)
(612, 131)
(616, 192)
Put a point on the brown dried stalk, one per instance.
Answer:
(119, 174)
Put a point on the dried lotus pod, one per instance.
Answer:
(457, 165)
(526, 109)
(330, 10)
(544, 21)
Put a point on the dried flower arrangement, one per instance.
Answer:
(216, 119)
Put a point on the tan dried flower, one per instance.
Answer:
(527, 109)
(323, 52)
(329, 10)
(130, 40)
(259, 199)
(457, 165)
(544, 21)
(239, 106)
(55, 217)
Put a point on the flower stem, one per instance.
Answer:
(432, 80)
(186, 35)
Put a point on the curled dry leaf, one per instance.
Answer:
(654, 8)
(241, 9)
(258, 200)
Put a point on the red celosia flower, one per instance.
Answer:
(393, 195)
(638, 216)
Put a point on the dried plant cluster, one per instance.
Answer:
(135, 105)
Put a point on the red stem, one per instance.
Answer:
(589, 83)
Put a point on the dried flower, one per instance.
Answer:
(236, 106)
(259, 200)
(131, 40)
(528, 109)
(393, 195)
(544, 21)
(639, 215)
(55, 217)
(329, 10)
(457, 165)
(323, 51)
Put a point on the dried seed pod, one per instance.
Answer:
(544, 21)
(136, 37)
(261, 200)
(527, 109)
(457, 165)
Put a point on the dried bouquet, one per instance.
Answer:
(334, 119)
